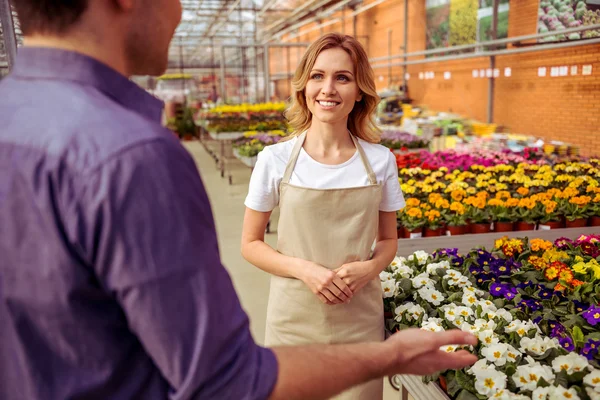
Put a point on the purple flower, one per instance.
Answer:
(545, 293)
(475, 270)
(525, 285)
(592, 315)
(580, 306)
(458, 261)
(537, 320)
(590, 349)
(557, 329)
(446, 252)
(497, 289)
(567, 343)
(533, 305)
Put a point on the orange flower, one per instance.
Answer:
(457, 208)
(537, 262)
(581, 200)
(512, 202)
(496, 203)
(432, 215)
(442, 203)
(413, 202)
(576, 282)
(559, 287)
(540, 244)
(503, 195)
(415, 213)
(550, 206)
(523, 191)
(458, 194)
(566, 275)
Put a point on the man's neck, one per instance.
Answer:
(108, 55)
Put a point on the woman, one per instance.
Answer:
(338, 193)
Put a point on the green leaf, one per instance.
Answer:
(455, 297)
(577, 377)
(578, 334)
(499, 303)
(466, 395)
(464, 381)
(405, 284)
(451, 384)
(560, 311)
(549, 316)
(562, 379)
(543, 383)
(510, 369)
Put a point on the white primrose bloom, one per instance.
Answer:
(386, 276)
(593, 379)
(592, 393)
(528, 376)
(484, 325)
(450, 312)
(397, 262)
(520, 327)
(520, 397)
(487, 338)
(431, 268)
(473, 290)
(561, 393)
(506, 315)
(479, 366)
(487, 305)
(404, 271)
(469, 299)
(431, 295)
(464, 282)
(541, 393)
(489, 381)
(466, 327)
(416, 311)
(571, 363)
(450, 348)
(421, 256)
(422, 280)
(401, 310)
(433, 325)
(535, 345)
(512, 354)
(465, 312)
(496, 353)
(389, 289)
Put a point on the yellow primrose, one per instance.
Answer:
(580, 268)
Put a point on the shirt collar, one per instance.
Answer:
(56, 64)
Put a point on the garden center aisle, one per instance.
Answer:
(227, 201)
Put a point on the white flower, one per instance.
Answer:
(404, 271)
(520, 327)
(489, 381)
(421, 257)
(466, 327)
(571, 363)
(464, 312)
(452, 273)
(561, 393)
(535, 345)
(592, 393)
(593, 379)
(541, 393)
(487, 338)
(469, 299)
(401, 310)
(422, 280)
(479, 366)
(389, 289)
(385, 276)
(431, 295)
(506, 315)
(433, 267)
(512, 354)
(484, 325)
(473, 290)
(433, 325)
(496, 353)
(463, 282)
(449, 349)
(487, 305)
(528, 376)
(416, 311)
(397, 262)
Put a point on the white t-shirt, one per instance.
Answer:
(263, 194)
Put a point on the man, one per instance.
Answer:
(111, 286)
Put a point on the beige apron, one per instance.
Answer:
(330, 227)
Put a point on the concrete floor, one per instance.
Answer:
(227, 201)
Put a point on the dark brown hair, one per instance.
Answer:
(49, 16)
(360, 120)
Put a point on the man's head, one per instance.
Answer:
(141, 30)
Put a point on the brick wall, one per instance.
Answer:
(560, 108)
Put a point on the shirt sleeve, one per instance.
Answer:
(392, 199)
(147, 229)
(263, 191)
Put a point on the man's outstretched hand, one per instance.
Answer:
(418, 351)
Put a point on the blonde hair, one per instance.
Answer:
(360, 120)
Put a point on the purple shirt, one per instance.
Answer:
(111, 285)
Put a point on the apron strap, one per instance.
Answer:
(293, 158)
(296, 152)
(365, 160)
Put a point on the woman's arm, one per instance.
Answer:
(357, 274)
(326, 284)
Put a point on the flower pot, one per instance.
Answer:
(577, 223)
(443, 384)
(481, 228)
(504, 226)
(456, 230)
(525, 226)
(595, 221)
(547, 226)
(432, 232)
(414, 234)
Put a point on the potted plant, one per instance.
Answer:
(594, 209)
(479, 215)
(576, 211)
(525, 214)
(502, 215)
(433, 225)
(413, 221)
(551, 218)
(455, 218)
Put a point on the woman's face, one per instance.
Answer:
(331, 90)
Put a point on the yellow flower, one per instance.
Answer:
(554, 255)
(512, 202)
(432, 215)
(580, 268)
(458, 208)
(415, 213)
(496, 203)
